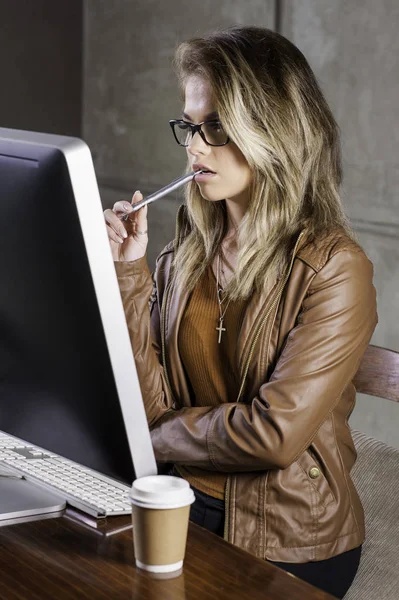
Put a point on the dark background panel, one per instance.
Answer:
(41, 65)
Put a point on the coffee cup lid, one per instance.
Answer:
(161, 491)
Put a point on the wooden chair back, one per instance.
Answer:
(378, 373)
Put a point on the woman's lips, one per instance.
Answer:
(204, 176)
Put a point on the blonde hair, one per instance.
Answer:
(273, 109)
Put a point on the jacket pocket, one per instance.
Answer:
(316, 476)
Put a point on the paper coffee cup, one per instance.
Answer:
(160, 512)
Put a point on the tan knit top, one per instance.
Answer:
(211, 368)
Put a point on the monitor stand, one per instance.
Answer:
(22, 500)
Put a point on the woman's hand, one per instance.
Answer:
(127, 238)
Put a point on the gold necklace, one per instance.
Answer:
(219, 289)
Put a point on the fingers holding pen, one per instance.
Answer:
(127, 229)
(126, 211)
(115, 227)
(140, 216)
(122, 220)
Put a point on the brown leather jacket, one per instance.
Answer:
(285, 442)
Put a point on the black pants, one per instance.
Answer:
(334, 575)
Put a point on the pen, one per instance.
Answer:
(174, 185)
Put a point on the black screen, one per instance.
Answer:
(56, 383)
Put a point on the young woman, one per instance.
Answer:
(259, 312)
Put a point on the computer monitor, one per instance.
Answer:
(68, 381)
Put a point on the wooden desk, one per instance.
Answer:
(59, 559)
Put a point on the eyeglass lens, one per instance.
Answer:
(213, 132)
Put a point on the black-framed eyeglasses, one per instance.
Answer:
(211, 132)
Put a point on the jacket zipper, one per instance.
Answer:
(163, 335)
(226, 508)
(163, 313)
(255, 339)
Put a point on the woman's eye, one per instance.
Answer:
(183, 126)
(216, 126)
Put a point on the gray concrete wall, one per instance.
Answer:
(353, 49)
(130, 93)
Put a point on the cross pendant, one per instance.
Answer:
(220, 329)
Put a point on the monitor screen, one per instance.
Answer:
(57, 386)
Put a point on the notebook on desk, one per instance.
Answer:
(72, 418)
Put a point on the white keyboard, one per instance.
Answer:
(83, 488)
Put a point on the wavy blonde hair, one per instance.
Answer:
(273, 109)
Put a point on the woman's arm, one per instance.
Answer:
(320, 358)
(141, 308)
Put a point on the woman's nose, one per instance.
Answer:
(197, 144)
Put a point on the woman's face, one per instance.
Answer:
(233, 175)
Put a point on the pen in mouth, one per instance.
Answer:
(174, 185)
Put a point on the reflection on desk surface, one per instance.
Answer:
(59, 559)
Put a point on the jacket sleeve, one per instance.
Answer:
(140, 303)
(320, 358)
